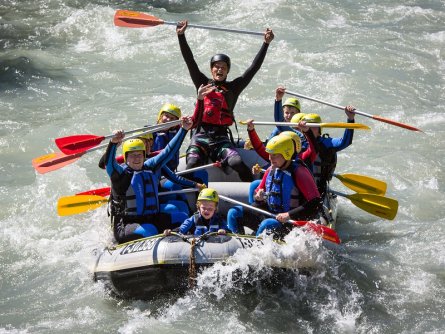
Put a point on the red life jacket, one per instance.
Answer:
(216, 111)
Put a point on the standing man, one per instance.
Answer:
(211, 137)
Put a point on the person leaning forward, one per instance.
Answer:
(211, 137)
(134, 187)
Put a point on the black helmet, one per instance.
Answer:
(220, 57)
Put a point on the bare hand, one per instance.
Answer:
(302, 126)
(259, 195)
(181, 27)
(222, 231)
(256, 169)
(268, 36)
(167, 232)
(118, 136)
(349, 110)
(282, 217)
(186, 122)
(203, 90)
(250, 125)
(279, 93)
(201, 186)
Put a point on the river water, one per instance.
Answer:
(65, 69)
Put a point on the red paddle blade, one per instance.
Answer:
(402, 125)
(131, 19)
(53, 161)
(325, 232)
(78, 143)
(104, 192)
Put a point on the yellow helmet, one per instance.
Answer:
(283, 145)
(144, 135)
(292, 102)
(171, 109)
(208, 194)
(312, 118)
(297, 117)
(295, 138)
(131, 145)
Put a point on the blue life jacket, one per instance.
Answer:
(203, 226)
(141, 197)
(283, 194)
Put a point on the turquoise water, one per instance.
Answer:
(65, 69)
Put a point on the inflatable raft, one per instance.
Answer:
(148, 267)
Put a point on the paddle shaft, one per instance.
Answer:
(356, 126)
(106, 191)
(199, 26)
(155, 127)
(378, 118)
(75, 156)
(266, 213)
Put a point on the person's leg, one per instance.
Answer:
(232, 158)
(197, 152)
(234, 217)
(269, 224)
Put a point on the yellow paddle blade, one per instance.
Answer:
(362, 183)
(72, 205)
(355, 126)
(377, 205)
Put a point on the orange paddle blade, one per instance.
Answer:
(128, 18)
(49, 162)
(390, 121)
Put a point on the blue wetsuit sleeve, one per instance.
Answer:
(342, 142)
(110, 160)
(187, 225)
(167, 153)
(182, 181)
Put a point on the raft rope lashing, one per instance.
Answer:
(192, 265)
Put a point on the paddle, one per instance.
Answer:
(132, 19)
(324, 231)
(355, 126)
(106, 191)
(53, 161)
(80, 143)
(362, 183)
(376, 205)
(377, 118)
(72, 205)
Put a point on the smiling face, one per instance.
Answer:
(135, 159)
(219, 71)
(206, 208)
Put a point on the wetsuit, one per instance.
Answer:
(210, 139)
(135, 207)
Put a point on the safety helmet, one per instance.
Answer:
(144, 135)
(171, 109)
(283, 145)
(297, 117)
(295, 138)
(292, 102)
(131, 145)
(220, 57)
(312, 118)
(208, 194)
